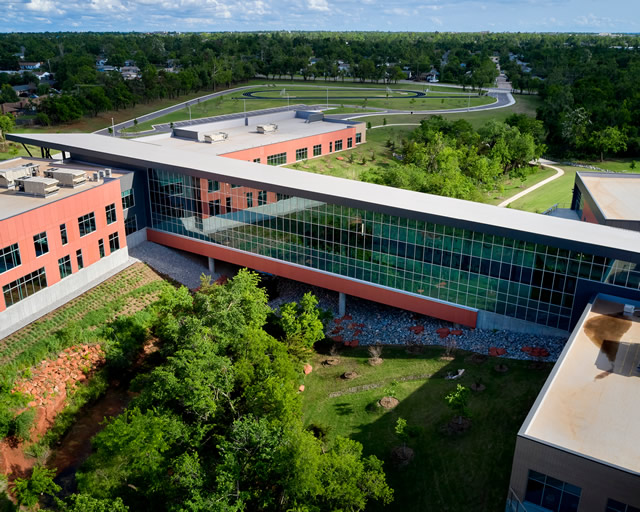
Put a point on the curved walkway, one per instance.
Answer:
(543, 163)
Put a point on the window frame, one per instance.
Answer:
(24, 286)
(79, 259)
(111, 213)
(11, 252)
(64, 236)
(101, 251)
(317, 150)
(302, 154)
(277, 159)
(38, 242)
(114, 241)
(127, 224)
(64, 266)
(127, 197)
(83, 220)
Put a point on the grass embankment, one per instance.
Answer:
(375, 153)
(129, 291)
(468, 471)
(560, 190)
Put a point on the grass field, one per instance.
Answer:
(468, 471)
(524, 105)
(235, 103)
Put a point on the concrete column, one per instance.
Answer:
(212, 266)
(342, 304)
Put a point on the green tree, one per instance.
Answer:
(608, 140)
(7, 124)
(28, 491)
(7, 94)
(301, 323)
(457, 400)
(87, 503)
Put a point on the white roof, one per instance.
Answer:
(449, 211)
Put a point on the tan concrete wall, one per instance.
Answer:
(599, 482)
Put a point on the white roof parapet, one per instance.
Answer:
(464, 214)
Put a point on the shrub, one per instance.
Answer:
(22, 423)
(28, 491)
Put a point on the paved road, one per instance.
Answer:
(504, 99)
(543, 163)
(174, 108)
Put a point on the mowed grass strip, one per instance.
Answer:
(468, 471)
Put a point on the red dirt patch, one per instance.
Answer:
(495, 351)
(48, 388)
(456, 332)
(417, 329)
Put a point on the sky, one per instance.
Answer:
(383, 15)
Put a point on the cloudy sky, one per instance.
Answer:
(385, 15)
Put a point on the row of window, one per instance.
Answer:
(303, 153)
(557, 496)
(10, 255)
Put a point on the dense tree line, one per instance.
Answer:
(217, 426)
(452, 159)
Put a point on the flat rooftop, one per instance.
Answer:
(589, 404)
(617, 195)
(247, 137)
(583, 236)
(14, 203)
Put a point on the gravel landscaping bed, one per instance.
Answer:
(181, 266)
(371, 323)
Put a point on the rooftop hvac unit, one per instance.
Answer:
(96, 176)
(267, 128)
(107, 173)
(629, 310)
(210, 138)
(101, 174)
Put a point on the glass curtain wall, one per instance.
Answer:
(511, 277)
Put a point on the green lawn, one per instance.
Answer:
(468, 471)
(235, 103)
(416, 86)
(613, 164)
(523, 105)
(376, 154)
(558, 191)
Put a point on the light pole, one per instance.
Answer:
(327, 98)
(113, 128)
(288, 101)
(468, 102)
(189, 107)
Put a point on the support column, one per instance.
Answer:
(342, 304)
(212, 266)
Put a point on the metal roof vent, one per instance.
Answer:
(107, 173)
(629, 310)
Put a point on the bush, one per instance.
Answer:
(22, 423)
(28, 491)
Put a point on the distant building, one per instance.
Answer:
(29, 66)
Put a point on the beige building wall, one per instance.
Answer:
(598, 481)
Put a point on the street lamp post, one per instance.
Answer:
(113, 128)
(189, 107)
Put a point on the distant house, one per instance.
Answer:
(24, 90)
(104, 69)
(129, 63)
(29, 66)
(130, 72)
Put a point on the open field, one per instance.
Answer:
(468, 471)
(127, 292)
(523, 105)
(270, 98)
(416, 86)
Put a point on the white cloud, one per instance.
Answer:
(318, 5)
